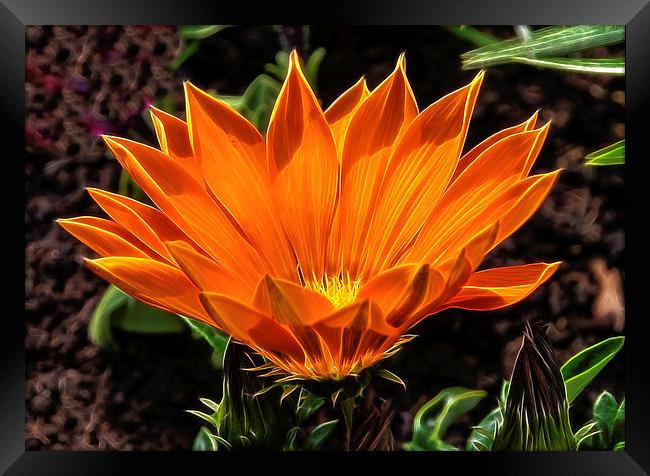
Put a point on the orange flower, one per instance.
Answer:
(321, 246)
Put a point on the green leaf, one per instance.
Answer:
(257, 101)
(212, 405)
(200, 32)
(482, 435)
(319, 435)
(203, 442)
(313, 66)
(505, 388)
(142, 318)
(233, 101)
(118, 309)
(578, 65)
(620, 446)
(217, 339)
(434, 417)
(605, 410)
(308, 407)
(551, 41)
(613, 154)
(99, 329)
(581, 369)
(618, 431)
(587, 431)
(190, 49)
(128, 187)
(388, 375)
(204, 416)
(472, 35)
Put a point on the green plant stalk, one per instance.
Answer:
(471, 34)
(246, 417)
(552, 41)
(615, 66)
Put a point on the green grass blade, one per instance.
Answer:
(551, 41)
(613, 154)
(199, 32)
(578, 65)
(473, 35)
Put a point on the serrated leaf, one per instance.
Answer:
(434, 417)
(583, 367)
(481, 437)
(200, 32)
(545, 42)
(320, 434)
(613, 154)
(217, 339)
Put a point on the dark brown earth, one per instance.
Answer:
(79, 396)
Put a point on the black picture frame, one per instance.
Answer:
(635, 14)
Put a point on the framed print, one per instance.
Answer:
(403, 229)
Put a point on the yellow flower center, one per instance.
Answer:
(340, 290)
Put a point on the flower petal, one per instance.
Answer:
(470, 156)
(105, 237)
(304, 169)
(492, 173)
(372, 134)
(172, 134)
(206, 274)
(290, 303)
(340, 112)
(233, 164)
(455, 273)
(151, 226)
(418, 173)
(252, 327)
(511, 209)
(500, 287)
(400, 291)
(153, 282)
(527, 203)
(297, 308)
(185, 202)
